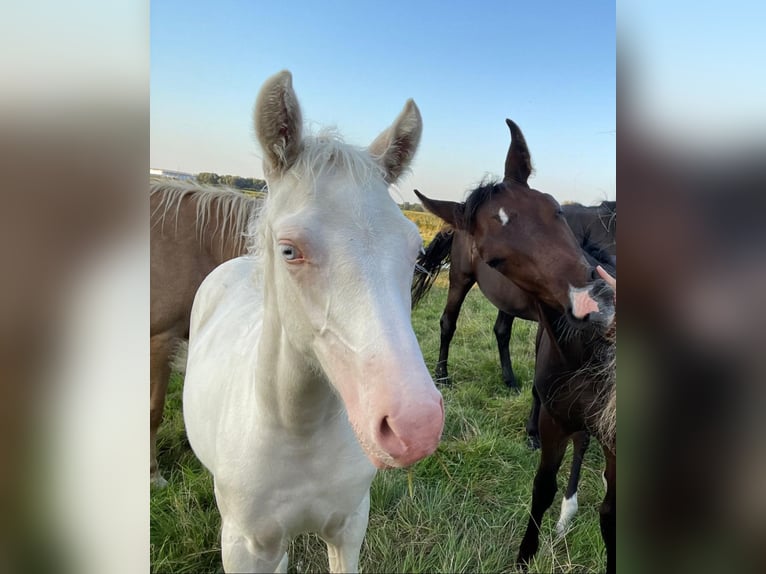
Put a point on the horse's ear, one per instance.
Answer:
(278, 123)
(395, 147)
(518, 164)
(450, 211)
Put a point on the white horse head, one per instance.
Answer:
(338, 259)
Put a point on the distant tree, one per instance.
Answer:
(209, 178)
(235, 181)
(407, 206)
(257, 184)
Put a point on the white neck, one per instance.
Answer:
(292, 387)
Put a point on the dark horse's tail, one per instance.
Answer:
(430, 263)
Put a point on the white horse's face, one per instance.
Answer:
(342, 256)
(345, 257)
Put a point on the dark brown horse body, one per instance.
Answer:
(522, 233)
(194, 229)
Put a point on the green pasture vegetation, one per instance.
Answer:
(469, 503)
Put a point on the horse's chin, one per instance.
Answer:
(379, 464)
(380, 460)
(596, 321)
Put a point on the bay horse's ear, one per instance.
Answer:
(278, 123)
(450, 211)
(395, 147)
(518, 164)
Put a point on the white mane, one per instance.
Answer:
(321, 155)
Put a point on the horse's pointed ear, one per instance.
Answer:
(518, 164)
(395, 147)
(278, 123)
(450, 211)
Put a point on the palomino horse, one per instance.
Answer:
(194, 229)
(304, 373)
(522, 233)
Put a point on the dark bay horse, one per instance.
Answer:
(591, 225)
(194, 229)
(522, 233)
(595, 225)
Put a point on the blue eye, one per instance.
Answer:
(290, 252)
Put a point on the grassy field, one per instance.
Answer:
(469, 503)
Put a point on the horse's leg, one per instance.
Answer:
(161, 346)
(503, 328)
(554, 443)
(241, 553)
(533, 429)
(608, 512)
(580, 443)
(344, 546)
(246, 551)
(459, 285)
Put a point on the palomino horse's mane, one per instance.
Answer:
(234, 209)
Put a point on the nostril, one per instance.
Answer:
(385, 429)
(593, 274)
(389, 439)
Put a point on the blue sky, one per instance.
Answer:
(550, 66)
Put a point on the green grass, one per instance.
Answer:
(470, 501)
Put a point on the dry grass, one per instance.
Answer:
(428, 224)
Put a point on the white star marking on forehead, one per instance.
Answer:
(503, 216)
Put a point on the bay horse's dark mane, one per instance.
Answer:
(477, 198)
